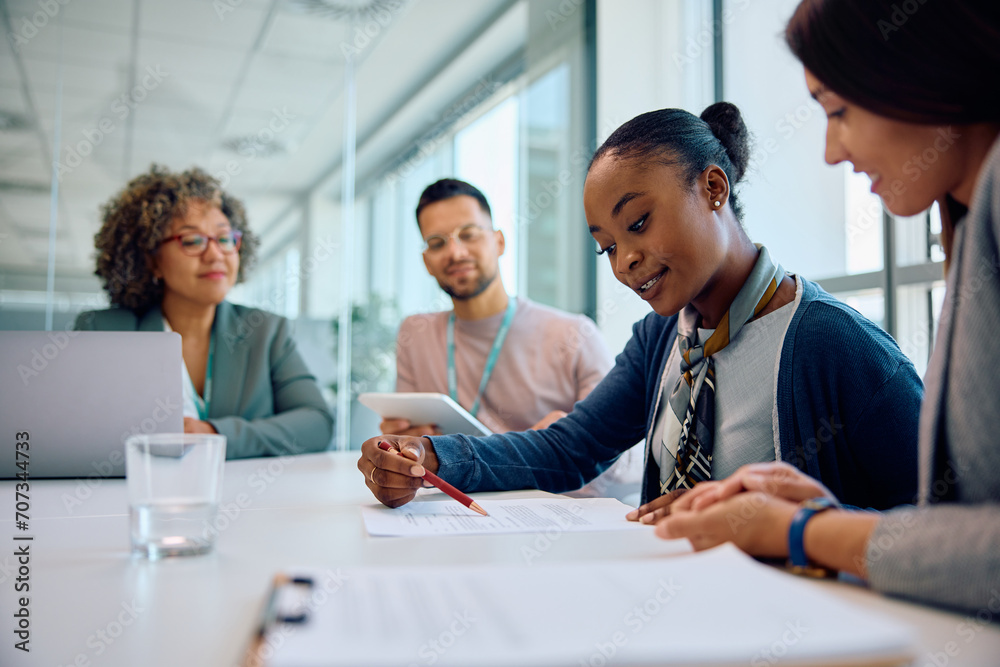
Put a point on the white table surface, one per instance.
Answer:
(93, 603)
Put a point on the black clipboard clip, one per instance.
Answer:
(277, 613)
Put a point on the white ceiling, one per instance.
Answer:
(219, 76)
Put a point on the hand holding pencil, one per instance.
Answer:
(442, 485)
(396, 469)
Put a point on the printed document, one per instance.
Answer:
(527, 515)
(719, 607)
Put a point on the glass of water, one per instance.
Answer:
(174, 488)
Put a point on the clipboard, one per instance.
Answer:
(287, 604)
(717, 607)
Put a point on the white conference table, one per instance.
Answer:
(93, 603)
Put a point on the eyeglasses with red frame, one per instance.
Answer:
(194, 244)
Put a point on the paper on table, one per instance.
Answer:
(714, 608)
(527, 515)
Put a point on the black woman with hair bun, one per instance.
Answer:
(739, 362)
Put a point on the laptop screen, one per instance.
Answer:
(75, 396)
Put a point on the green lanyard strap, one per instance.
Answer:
(490, 361)
(203, 403)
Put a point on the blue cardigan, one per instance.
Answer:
(848, 401)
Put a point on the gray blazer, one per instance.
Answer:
(947, 551)
(264, 400)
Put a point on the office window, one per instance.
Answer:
(518, 132)
(818, 220)
(486, 155)
(497, 96)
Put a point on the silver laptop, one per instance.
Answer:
(74, 396)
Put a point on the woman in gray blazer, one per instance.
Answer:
(171, 247)
(914, 104)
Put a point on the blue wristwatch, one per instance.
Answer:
(797, 561)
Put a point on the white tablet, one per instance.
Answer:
(426, 408)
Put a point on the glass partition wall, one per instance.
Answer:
(327, 119)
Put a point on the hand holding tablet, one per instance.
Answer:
(439, 410)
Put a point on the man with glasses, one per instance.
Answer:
(512, 363)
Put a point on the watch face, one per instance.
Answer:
(813, 571)
(819, 504)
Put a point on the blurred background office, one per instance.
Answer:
(329, 117)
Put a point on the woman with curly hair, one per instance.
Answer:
(171, 247)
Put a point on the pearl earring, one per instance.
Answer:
(718, 203)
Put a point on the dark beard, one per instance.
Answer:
(480, 287)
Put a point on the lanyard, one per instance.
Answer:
(490, 361)
(203, 403)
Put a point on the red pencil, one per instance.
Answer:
(442, 485)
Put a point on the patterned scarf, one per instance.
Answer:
(691, 418)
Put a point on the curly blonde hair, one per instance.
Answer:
(136, 220)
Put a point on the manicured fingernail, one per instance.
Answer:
(417, 471)
(646, 518)
(633, 515)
